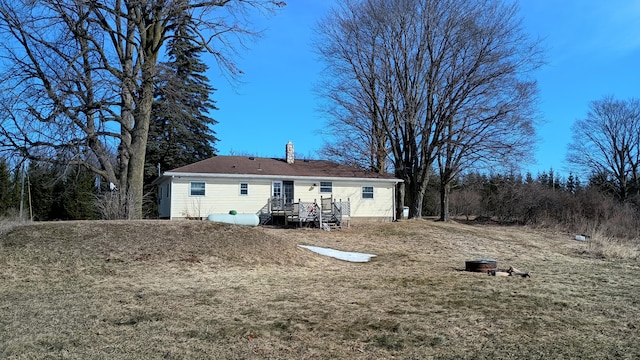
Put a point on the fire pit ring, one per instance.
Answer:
(480, 265)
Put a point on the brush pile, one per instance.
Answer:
(511, 271)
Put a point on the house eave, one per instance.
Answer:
(275, 177)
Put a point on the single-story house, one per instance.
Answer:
(247, 184)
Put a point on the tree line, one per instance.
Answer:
(47, 192)
(546, 200)
(43, 191)
(432, 91)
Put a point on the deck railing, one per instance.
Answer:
(326, 211)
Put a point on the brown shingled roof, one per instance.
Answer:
(270, 166)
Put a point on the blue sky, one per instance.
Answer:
(592, 50)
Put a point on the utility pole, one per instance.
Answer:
(22, 193)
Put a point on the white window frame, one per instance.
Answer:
(368, 192)
(324, 187)
(273, 189)
(191, 188)
(246, 188)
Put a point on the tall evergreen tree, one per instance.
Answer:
(571, 183)
(6, 188)
(59, 193)
(180, 132)
(39, 196)
(16, 191)
(75, 196)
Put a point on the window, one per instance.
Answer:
(244, 189)
(277, 189)
(367, 192)
(197, 188)
(326, 186)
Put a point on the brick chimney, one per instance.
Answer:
(289, 151)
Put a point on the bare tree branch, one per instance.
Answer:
(436, 81)
(78, 77)
(607, 143)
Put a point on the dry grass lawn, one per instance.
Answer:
(199, 290)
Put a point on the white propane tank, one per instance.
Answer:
(238, 219)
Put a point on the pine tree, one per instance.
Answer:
(77, 199)
(59, 193)
(571, 183)
(180, 132)
(543, 178)
(15, 196)
(528, 178)
(6, 187)
(39, 196)
(552, 179)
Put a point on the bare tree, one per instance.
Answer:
(442, 76)
(78, 77)
(607, 143)
(356, 103)
(492, 124)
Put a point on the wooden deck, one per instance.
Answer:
(326, 214)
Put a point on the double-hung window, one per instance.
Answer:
(326, 187)
(367, 192)
(244, 188)
(197, 188)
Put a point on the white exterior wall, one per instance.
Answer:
(381, 206)
(223, 195)
(304, 190)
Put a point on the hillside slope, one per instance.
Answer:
(185, 290)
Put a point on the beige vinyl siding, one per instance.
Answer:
(305, 191)
(381, 206)
(221, 196)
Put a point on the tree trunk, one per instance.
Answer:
(415, 210)
(135, 182)
(140, 135)
(399, 200)
(445, 189)
(415, 197)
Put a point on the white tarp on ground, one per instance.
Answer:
(342, 255)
